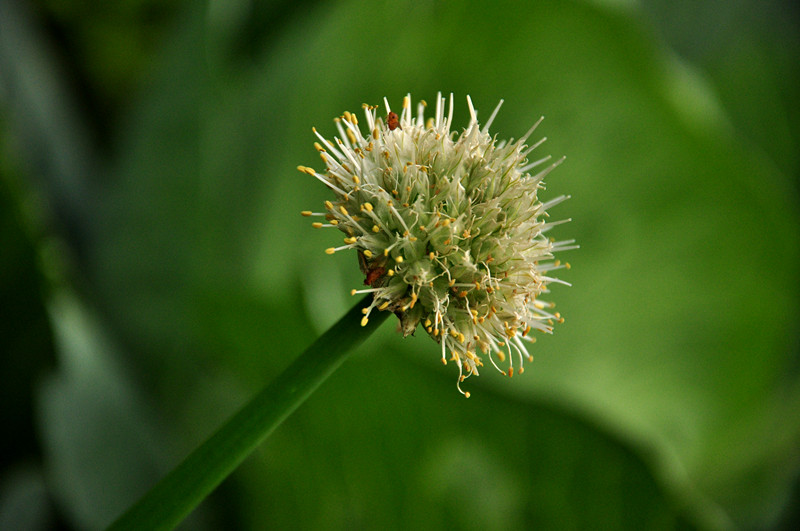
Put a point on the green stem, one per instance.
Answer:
(175, 496)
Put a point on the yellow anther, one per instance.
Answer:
(367, 206)
(330, 250)
(364, 321)
(431, 255)
(350, 240)
(427, 323)
(462, 294)
(390, 272)
(317, 225)
(347, 115)
(406, 102)
(308, 170)
(318, 146)
(367, 253)
(301, 168)
(375, 133)
(376, 228)
(452, 282)
(566, 264)
(467, 395)
(356, 179)
(365, 311)
(329, 205)
(351, 136)
(343, 210)
(501, 356)
(334, 222)
(422, 227)
(399, 259)
(510, 372)
(306, 213)
(526, 331)
(383, 306)
(353, 291)
(386, 252)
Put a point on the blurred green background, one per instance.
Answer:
(155, 272)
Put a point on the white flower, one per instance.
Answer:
(448, 229)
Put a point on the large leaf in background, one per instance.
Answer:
(688, 246)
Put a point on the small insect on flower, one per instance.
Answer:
(374, 270)
(392, 121)
(448, 228)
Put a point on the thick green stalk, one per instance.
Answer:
(175, 496)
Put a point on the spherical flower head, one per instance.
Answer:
(448, 229)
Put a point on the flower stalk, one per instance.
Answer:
(177, 494)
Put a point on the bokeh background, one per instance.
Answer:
(155, 271)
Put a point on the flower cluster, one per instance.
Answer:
(448, 229)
